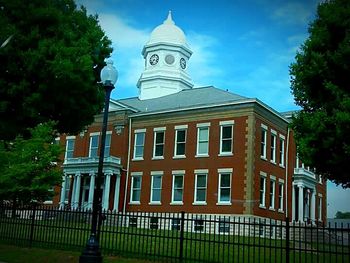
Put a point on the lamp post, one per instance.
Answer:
(92, 253)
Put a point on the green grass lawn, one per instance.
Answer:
(13, 254)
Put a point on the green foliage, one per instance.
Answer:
(320, 85)
(29, 166)
(341, 215)
(50, 67)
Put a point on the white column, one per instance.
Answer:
(91, 190)
(301, 203)
(312, 208)
(77, 190)
(72, 203)
(293, 203)
(63, 191)
(116, 193)
(105, 201)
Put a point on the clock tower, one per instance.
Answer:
(166, 57)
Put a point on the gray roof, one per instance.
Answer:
(196, 97)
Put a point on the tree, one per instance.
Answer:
(341, 215)
(320, 80)
(51, 55)
(29, 166)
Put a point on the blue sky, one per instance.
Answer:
(245, 46)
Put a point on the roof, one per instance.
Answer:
(186, 99)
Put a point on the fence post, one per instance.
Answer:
(182, 229)
(287, 240)
(32, 226)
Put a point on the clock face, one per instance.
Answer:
(169, 59)
(154, 59)
(183, 63)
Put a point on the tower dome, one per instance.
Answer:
(168, 32)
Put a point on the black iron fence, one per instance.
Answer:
(174, 237)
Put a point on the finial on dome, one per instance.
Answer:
(169, 19)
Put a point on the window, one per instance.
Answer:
(262, 189)
(176, 224)
(132, 221)
(156, 187)
(135, 188)
(272, 192)
(139, 143)
(70, 147)
(224, 225)
(263, 141)
(281, 150)
(273, 147)
(320, 208)
(201, 188)
(158, 148)
(224, 195)
(180, 142)
(177, 191)
(203, 139)
(226, 137)
(67, 188)
(198, 225)
(154, 223)
(108, 145)
(93, 145)
(280, 195)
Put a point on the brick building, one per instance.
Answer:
(201, 150)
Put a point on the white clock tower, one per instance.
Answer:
(166, 56)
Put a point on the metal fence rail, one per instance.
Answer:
(177, 237)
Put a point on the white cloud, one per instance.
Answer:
(292, 13)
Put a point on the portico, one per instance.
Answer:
(79, 180)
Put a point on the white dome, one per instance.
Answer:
(168, 32)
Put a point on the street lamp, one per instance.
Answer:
(92, 253)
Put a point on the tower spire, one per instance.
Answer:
(169, 20)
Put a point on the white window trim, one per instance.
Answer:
(175, 143)
(181, 127)
(69, 138)
(94, 133)
(273, 155)
(177, 173)
(273, 199)
(135, 174)
(98, 142)
(263, 205)
(199, 126)
(264, 128)
(219, 187)
(282, 145)
(153, 174)
(281, 209)
(222, 125)
(136, 133)
(195, 202)
(161, 129)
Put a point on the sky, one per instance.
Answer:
(243, 46)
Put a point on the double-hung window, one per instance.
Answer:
(139, 144)
(224, 191)
(136, 179)
(156, 187)
(280, 195)
(262, 189)
(70, 147)
(319, 207)
(263, 141)
(273, 146)
(226, 137)
(180, 141)
(282, 139)
(200, 193)
(272, 192)
(178, 187)
(94, 139)
(203, 139)
(158, 146)
(108, 144)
